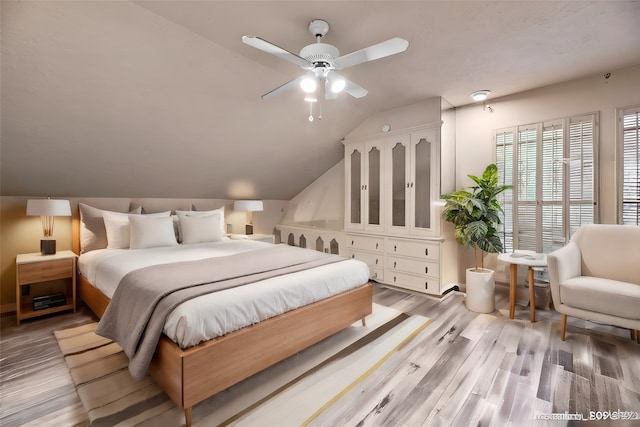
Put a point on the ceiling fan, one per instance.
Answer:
(321, 60)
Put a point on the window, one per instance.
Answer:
(629, 165)
(551, 167)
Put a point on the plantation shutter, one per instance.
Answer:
(504, 161)
(581, 171)
(552, 224)
(526, 188)
(553, 178)
(630, 159)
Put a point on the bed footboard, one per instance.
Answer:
(192, 375)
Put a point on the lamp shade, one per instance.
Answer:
(48, 207)
(248, 205)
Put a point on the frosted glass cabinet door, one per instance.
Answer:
(425, 187)
(374, 193)
(354, 171)
(398, 173)
(422, 184)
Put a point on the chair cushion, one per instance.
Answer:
(610, 250)
(606, 296)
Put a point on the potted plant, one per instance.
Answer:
(475, 214)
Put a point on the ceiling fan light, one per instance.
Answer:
(309, 84)
(480, 95)
(338, 85)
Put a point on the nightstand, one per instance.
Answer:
(268, 238)
(39, 290)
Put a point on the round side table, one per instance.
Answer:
(531, 259)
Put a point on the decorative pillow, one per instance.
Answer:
(118, 229)
(201, 228)
(93, 234)
(147, 231)
(202, 213)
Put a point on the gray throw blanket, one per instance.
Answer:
(144, 298)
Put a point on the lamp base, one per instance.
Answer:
(48, 247)
(248, 229)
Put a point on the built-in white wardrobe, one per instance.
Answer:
(393, 182)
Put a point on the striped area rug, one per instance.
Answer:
(293, 392)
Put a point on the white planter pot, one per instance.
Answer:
(480, 290)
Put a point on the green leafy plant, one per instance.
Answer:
(475, 214)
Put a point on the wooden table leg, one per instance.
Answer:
(513, 282)
(532, 296)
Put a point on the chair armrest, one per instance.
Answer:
(564, 263)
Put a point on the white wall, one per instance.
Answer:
(321, 204)
(475, 125)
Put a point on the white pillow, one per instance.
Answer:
(118, 230)
(93, 234)
(147, 231)
(200, 229)
(202, 213)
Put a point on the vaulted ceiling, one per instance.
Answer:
(162, 99)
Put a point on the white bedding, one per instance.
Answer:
(213, 315)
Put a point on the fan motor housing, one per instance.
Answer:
(320, 52)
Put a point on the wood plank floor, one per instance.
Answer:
(464, 369)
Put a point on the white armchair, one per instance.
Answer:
(597, 276)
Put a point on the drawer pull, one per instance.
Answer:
(395, 248)
(353, 255)
(376, 245)
(426, 270)
(376, 261)
(394, 278)
(375, 275)
(352, 243)
(394, 264)
(426, 285)
(426, 251)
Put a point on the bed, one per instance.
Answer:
(190, 375)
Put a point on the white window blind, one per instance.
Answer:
(629, 156)
(504, 161)
(553, 171)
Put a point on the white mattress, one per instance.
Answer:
(213, 315)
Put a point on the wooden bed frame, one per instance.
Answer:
(192, 375)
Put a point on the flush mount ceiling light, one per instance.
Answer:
(480, 95)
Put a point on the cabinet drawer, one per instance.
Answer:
(416, 249)
(43, 271)
(422, 284)
(373, 260)
(376, 274)
(366, 243)
(428, 268)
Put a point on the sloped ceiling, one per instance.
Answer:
(162, 99)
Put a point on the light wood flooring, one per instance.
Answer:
(478, 370)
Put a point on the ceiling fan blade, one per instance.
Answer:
(371, 53)
(285, 87)
(271, 48)
(354, 89)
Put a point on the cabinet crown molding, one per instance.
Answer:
(403, 131)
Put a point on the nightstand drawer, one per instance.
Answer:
(44, 271)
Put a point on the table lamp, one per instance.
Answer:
(47, 210)
(250, 206)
